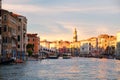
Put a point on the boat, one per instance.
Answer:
(53, 57)
(67, 56)
(8, 61)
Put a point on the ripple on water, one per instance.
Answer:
(63, 69)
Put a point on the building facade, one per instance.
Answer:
(22, 36)
(103, 43)
(35, 41)
(53, 45)
(9, 31)
(106, 44)
(45, 43)
(94, 46)
(64, 47)
(85, 48)
(11, 36)
(111, 49)
(118, 45)
(75, 48)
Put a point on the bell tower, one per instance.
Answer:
(75, 35)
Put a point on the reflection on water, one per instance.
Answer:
(63, 69)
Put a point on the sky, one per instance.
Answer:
(56, 19)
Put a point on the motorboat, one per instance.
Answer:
(67, 56)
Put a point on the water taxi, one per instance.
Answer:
(67, 56)
(53, 56)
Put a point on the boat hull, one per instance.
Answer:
(53, 57)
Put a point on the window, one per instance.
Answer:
(105, 44)
(5, 17)
(18, 28)
(24, 34)
(9, 29)
(89, 43)
(3, 39)
(0, 11)
(5, 28)
(82, 48)
(9, 40)
(18, 46)
(18, 37)
(6, 40)
(0, 30)
(19, 20)
(89, 48)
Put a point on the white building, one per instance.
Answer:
(118, 44)
(85, 48)
(22, 36)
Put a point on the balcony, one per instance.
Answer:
(24, 29)
(24, 35)
(14, 45)
(14, 35)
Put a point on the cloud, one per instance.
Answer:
(60, 9)
(21, 8)
(56, 22)
(15, 1)
(49, 28)
(53, 37)
(87, 29)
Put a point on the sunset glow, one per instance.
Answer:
(56, 19)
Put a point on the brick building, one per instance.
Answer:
(34, 40)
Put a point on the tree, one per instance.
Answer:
(30, 49)
(29, 52)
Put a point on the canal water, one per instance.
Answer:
(63, 69)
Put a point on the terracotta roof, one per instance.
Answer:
(15, 15)
(31, 35)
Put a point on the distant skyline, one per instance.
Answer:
(56, 19)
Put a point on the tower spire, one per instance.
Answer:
(75, 35)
